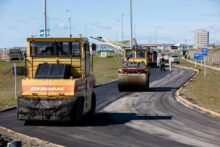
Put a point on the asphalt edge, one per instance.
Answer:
(23, 135)
(31, 138)
(188, 103)
(101, 84)
(7, 109)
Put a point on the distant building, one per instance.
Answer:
(201, 38)
(107, 53)
(4, 53)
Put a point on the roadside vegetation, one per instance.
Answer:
(204, 91)
(7, 84)
(105, 70)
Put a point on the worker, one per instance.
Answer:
(170, 63)
(60, 50)
(162, 64)
(49, 50)
(158, 61)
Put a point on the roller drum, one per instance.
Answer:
(133, 82)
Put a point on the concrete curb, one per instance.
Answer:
(30, 138)
(7, 109)
(189, 104)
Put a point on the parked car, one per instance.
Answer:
(176, 58)
(15, 54)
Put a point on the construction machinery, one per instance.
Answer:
(15, 54)
(59, 83)
(152, 58)
(134, 74)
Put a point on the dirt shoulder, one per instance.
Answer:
(26, 140)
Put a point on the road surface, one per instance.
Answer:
(152, 118)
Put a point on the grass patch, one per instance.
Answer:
(205, 91)
(7, 94)
(105, 70)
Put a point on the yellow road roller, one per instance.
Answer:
(134, 73)
(59, 81)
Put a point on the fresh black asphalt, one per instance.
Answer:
(114, 129)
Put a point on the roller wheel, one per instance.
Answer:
(78, 109)
(90, 114)
(93, 104)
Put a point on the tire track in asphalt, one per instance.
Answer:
(189, 130)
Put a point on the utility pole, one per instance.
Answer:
(45, 18)
(70, 27)
(70, 23)
(131, 23)
(155, 36)
(214, 39)
(86, 30)
(135, 31)
(122, 27)
(116, 30)
(3, 51)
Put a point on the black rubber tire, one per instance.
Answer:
(120, 89)
(148, 82)
(93, 104)
(148, 85)
(89, 116)
(78, 109)
(27, 122)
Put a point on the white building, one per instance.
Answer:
(201, 38)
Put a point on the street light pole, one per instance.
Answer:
(86, 30)
(156, 36)
(131, 23)
(45, 18)
(116, 30)
(122, 27)
(70, 27)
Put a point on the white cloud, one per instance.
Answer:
(214, 28)
(61, 25)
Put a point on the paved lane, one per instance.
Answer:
(169, 118)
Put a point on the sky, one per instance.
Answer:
(154, 21)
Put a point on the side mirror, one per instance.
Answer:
(93, 47)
